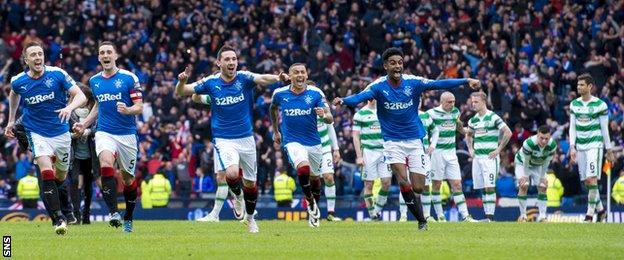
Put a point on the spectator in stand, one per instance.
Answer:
(202, 184)
(28, 190)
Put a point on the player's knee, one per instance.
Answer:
(385, 184)
(328, 178)
(220, 178)
(456, 186)
(418, 188)
(523, 188)
(233, 172)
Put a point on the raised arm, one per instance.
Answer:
(181, 88)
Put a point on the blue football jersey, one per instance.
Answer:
(298, 115)
(232, 104)
(123, 86)
(41, 97)
(397, 107)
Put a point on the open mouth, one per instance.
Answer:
(106, 62)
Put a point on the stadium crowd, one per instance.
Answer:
(527, 54)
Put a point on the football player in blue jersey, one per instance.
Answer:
(231, 95)
(398, 96)
(118, 100)
(298, 106)
(45, 113)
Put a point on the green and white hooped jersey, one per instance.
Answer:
(486, 130)
(367, 123)
(587, 122)
(538, 155)
(446, 123)
(428, 124)
(323, 130)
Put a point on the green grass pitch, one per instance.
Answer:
(295, 240)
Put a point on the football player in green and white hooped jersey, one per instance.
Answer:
(589, 134)
(484, 129)
(331, 155)
(444, 162)
(429, 138)
(368, 145)
(531, 163)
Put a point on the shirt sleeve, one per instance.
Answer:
(572, 130)
(353, 100)
(66, 80)
(498, 122)
(275, 100)
(136, 91)
(201, 86)
(320, 102)
(248, 78)
(357, 124)
(526, 149)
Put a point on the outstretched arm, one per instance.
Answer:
(268, 79)
(449, 83)
(353, 100)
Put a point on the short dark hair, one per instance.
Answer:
(296, 64)
(104, 43)
(543, 129)
(223, 49)
(589, 80)
(391, 52)
(31, 44)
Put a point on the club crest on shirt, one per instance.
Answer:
(49, 82)
(238, 85)
(308, 99)
(408, 91)
(118, 83)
